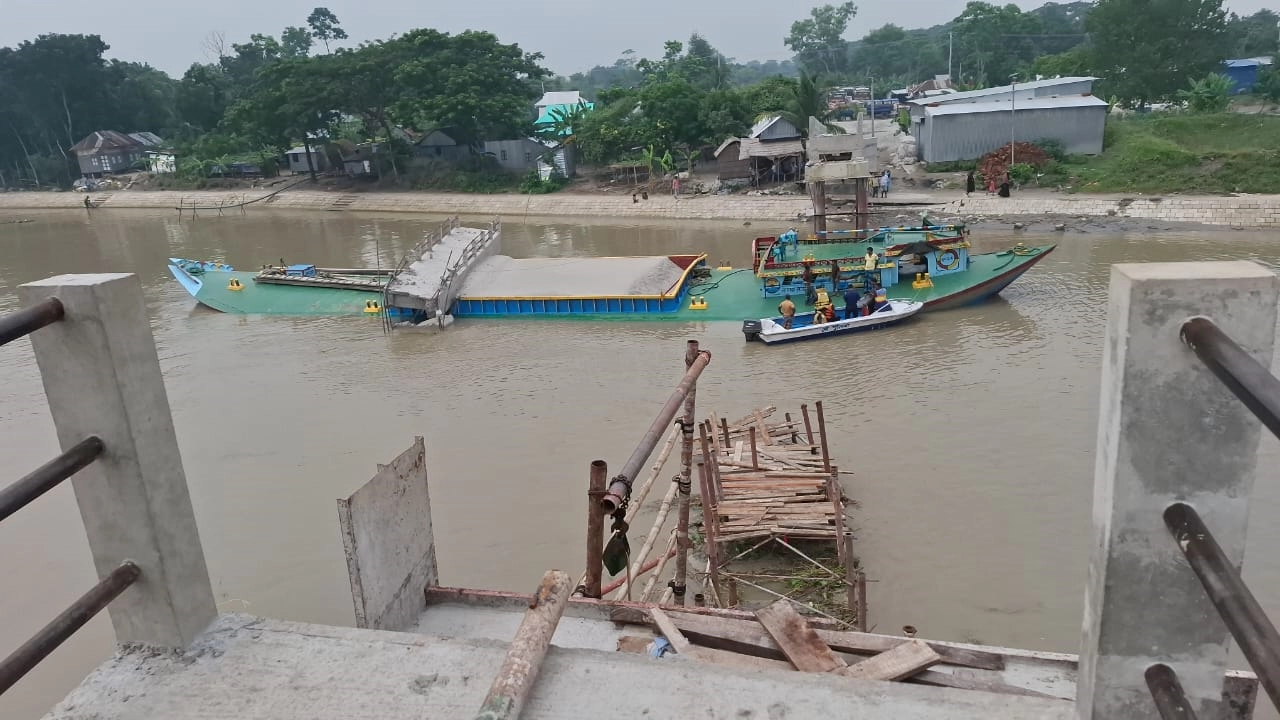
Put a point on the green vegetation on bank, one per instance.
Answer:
(1177, 152)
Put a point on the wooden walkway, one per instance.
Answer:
(774, 479)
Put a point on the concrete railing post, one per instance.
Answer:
(1167, 430)
(102, 377)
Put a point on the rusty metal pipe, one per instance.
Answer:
(686, 476)
(30, 319)
(595, 529)
(26, 657)
(620, 487)
(48, 476)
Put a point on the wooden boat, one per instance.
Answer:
(771, 330)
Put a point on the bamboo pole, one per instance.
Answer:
(515, 678)
(614, 585)
(595, 529)
(619, 488)
(808, 429)
(647, 547)
(709, 522)
(686, 479)
(822, 434)
(638, 498)
(657, 572)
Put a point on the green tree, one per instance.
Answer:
(1252, 35)
(296, 41)
(1147, 50)
(203, 95)
(818, 40)
(1269, 86)
(324, 26)
(770, 95)
(1209, 94)
(995, 41)
(1077, 61)
(472, 84)
(808, 99)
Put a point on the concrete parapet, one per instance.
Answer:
(1167, 431)
(102, 377)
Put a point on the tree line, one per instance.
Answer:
(253, 100)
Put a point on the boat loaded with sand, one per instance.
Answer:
(774, 330)
(458, 272)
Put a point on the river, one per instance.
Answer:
(971, 433)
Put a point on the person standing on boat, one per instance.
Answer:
(789, 238)
(787, 310)
(879, 298)
(852, 303)
(869, 268)
(807, 276)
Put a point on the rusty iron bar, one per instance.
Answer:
(49, 475)
(1246, 378)
(595, 530)
(755, 456)
(686, 479)
(620, 487)
(1171, 700)
(30, 319)
(524, 659)
(1244, 617)
(822, 435)
(808, 429)
(26, 657)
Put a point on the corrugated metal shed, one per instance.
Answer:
(773, 128)
(104, 141)
(970, 130)
(1053, 87)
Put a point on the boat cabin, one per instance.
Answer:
(300, 271)
(836, 266)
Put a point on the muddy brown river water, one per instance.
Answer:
(970, 433)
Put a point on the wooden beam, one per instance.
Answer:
(524, 658)
(901, 662)
(742, 635)
(799, 642)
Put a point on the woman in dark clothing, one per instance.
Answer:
(969, 184)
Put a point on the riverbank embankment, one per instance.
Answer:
(1241, 211)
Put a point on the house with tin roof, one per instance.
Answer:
(104, 152)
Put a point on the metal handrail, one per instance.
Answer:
(1171, 699)
(46, 477)
(1244, 617)
(1244, 376)
(28, 320)
(26, 657)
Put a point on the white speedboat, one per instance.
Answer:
(770, 330)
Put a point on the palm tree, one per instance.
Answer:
(807, 99)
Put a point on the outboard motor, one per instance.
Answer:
(751, 328)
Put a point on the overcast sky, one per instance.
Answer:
(573, 34)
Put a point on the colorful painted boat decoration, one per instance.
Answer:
(772, 330)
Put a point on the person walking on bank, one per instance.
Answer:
(969, 184)
(885, 181)
(787, 310)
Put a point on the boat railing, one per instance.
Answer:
(1176, 463)
(98, 363)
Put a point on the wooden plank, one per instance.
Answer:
(737, 453)
(708, 655)
(799, 642)
(743, 635)
(670, 631)
(967, 682)
(901, 662)
(761, 430)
